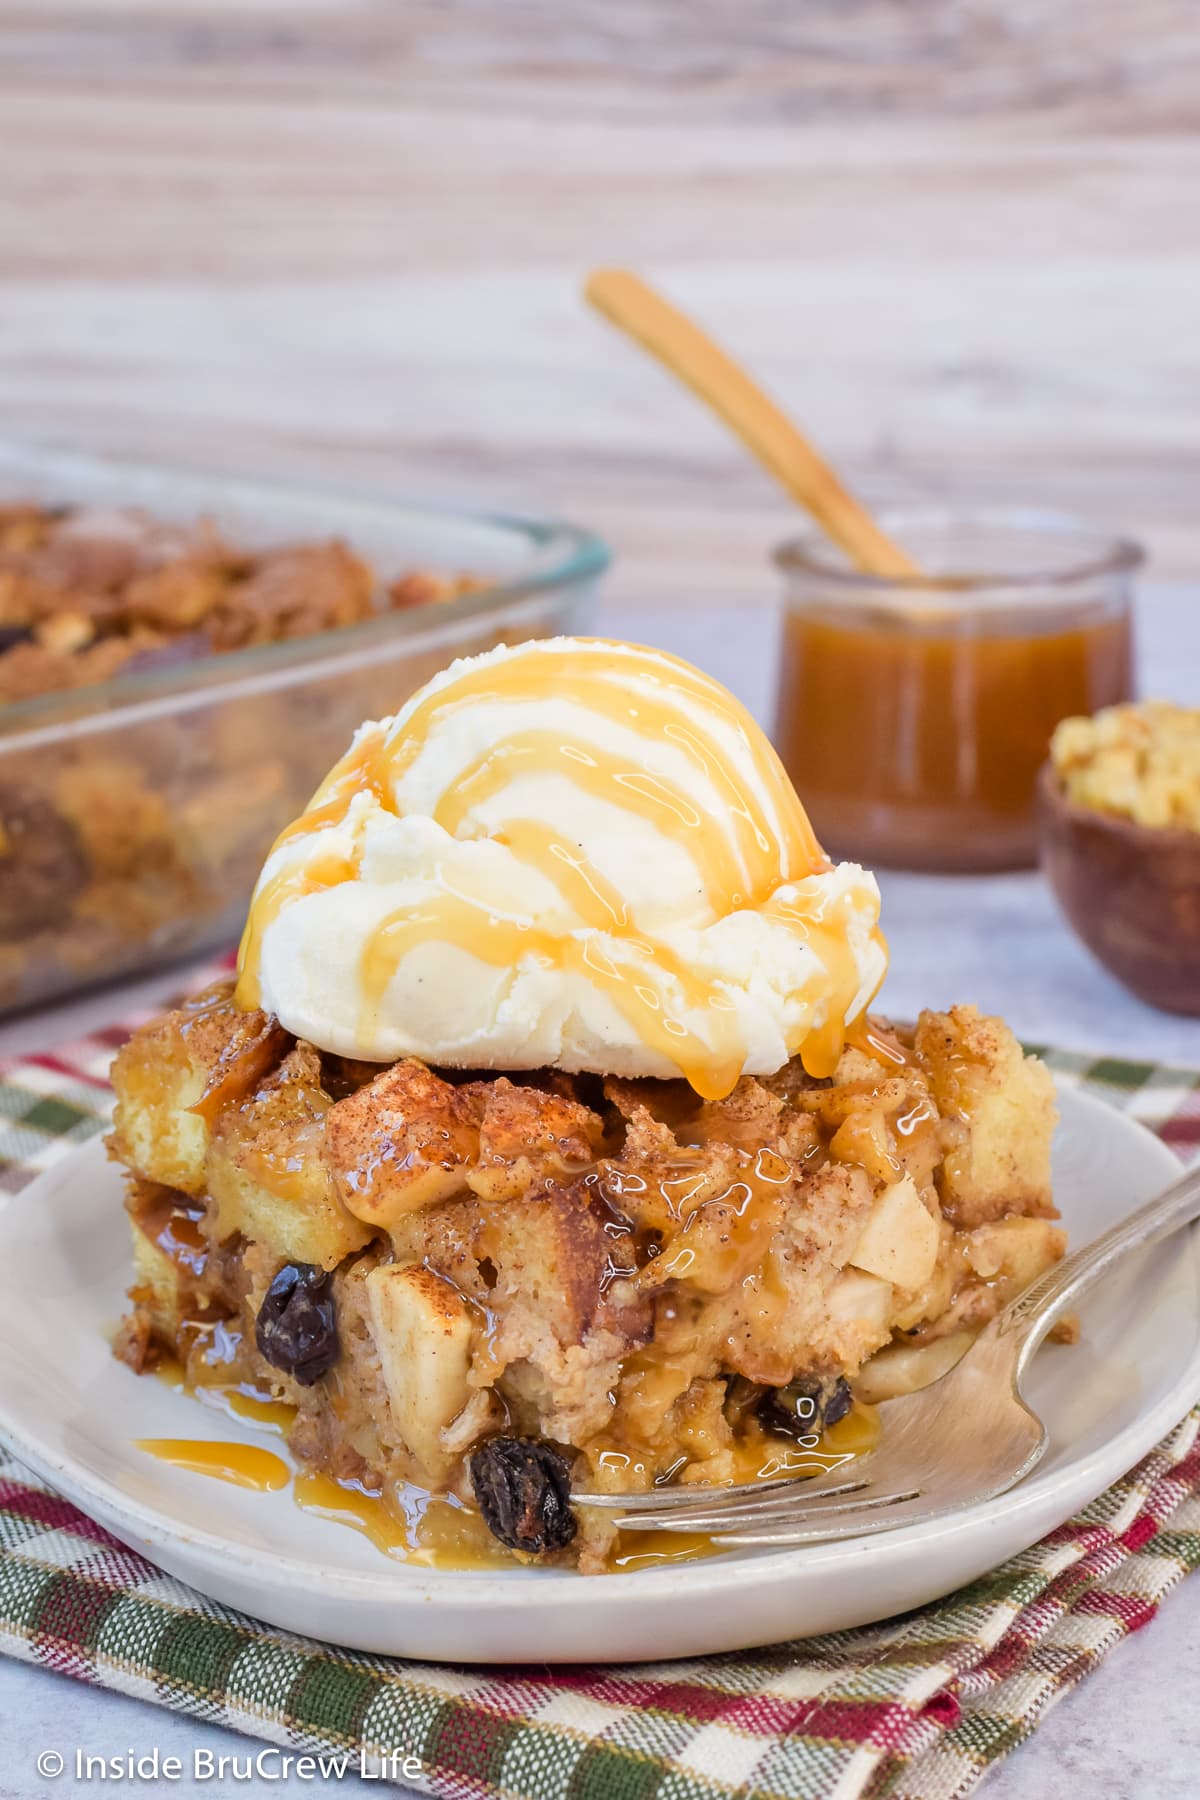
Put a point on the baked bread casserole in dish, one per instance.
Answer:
(182, 656)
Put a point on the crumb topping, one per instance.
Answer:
(1140, 761)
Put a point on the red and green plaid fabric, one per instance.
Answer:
(917, 1708)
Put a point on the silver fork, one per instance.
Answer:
(966, 1438)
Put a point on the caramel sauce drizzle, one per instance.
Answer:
(739, 870)
(415, 1527)
(276, 1416)
(242, 1465)
(875, 1040)
(824, 924)
(327, 871)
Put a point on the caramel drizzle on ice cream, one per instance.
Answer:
(767, 843)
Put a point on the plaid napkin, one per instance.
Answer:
(917, 1708)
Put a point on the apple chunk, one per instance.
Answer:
(899, 1241)
(862, 1303)
(422, 1329)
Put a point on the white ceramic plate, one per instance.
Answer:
(72, 1414)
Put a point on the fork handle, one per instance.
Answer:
(1034, 1311)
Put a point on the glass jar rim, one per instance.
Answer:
(811, 553)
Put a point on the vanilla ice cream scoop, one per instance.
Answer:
(574, 854)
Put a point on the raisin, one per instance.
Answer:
(805, 1406)
(838, 1402)
(523, 1487)
(296, 1328)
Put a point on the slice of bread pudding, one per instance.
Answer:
(507, 1288)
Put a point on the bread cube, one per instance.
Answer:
(267, 1172)
(403, 1142)
(999, 1107)
(175, 1075)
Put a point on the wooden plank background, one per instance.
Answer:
(961, 240)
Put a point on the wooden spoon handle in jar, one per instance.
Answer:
(690, 354)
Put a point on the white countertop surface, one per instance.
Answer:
(1133, 1729)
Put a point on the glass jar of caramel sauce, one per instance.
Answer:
(914, 714)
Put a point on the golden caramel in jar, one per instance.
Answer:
(913, 719)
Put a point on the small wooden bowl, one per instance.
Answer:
(1132, 895)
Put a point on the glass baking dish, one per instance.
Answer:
(134, 814)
